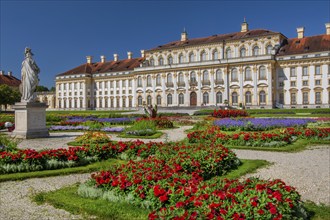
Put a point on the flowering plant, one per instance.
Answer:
(93, 137)
(229, 113)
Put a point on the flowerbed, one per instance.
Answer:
(182, 182)
(229, 113)
(275, 138)
(260, 124)
(160, 122)
(78, 119)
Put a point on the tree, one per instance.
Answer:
(52, 89)
(42, 89)
(9, 95)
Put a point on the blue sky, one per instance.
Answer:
(62, 33)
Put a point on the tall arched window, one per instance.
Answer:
(219, 97)
(203, 56)
(255, 51)
(218, 75)
(159, 100)
(170, 59)
(205, 76)
(181, 99)
(148, 80)
(149, 102)
(169, 78)
(234, 75)
(269, 49)
(191, 57)
(180, 78)
(205, 98)
(193, 77)
(161, 61)
(243, 52)
(139, 81)
(139, 101)
(248, 74)
(215, 55)
(248, 98)
(158, 80)
(262, 97)
(169, 99)
(181, 58)
(234, 98)
(152, 62)
(262, 73)
(228, 53)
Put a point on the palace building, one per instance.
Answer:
(251, 68)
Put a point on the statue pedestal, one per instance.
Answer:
(30, 120)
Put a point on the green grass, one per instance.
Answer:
(298, 145)
(154, 136)
(317, 212)
(102, 165)
(68, 199)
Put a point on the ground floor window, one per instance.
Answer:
(169, 99)
(293, 99)
(205, 98)
(139, 100)
(318, 98)
(262, 97)
(181, 99)
(149, 102)
(234, 98)
(305, 98)
(248, 99)
(159, 100)
(219, 97)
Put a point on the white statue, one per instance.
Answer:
(29, 80)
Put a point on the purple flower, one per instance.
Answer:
(108, 129)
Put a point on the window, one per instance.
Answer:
(170, 60)
(139, 81)
(305, 98)
(262, 97)
(205, 98)
(293, 72)
(255, 51)
(248, 75)
(169, 99)
(317, 82)
(130, 83)
(215, 55)
(159, 100)
(193, 77)
(234, 98)
(269, 49)
(158, 80)
(160, 61)
(139, 100)
(149, 100)
(123, 83)
(282, 98)
(181, 99)
(148, 80)
(317, 70)
(243, 52)
(262, 73)
(205, 76)
(234, 76)
(305, 71)
(181, 59)
(191, 57)
(152, 62)
(293, 99)
(218, 76)
(305, 83)
(219, 97)
(169, 78)
(203, 56)
(248, 99)
(130, 103)
(318, 98)
(228, 53)
(180, 78)
(293, 83)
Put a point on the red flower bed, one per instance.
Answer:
(229, 113)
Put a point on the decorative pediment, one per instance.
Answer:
(305, 89)
(234, 87)
(148, 91)
(262, 85)
(205, 87)
(248, 86)
(293, 90)
(219, 87)
(158, 90)
(181, 89)
(318, 88)
(139, 91)
(169, 90)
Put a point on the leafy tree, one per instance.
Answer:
(42, 89)
(9, 95)
(52, 89)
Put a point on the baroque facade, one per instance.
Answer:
(252, 68)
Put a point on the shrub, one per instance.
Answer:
(142, 128)
(93, 137)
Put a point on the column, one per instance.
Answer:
(241, 96)
(175, 86)
(199, 86)
(114, 94)
(153, 84)
(212, 95)
(164, 99)
(226, 84)
(270, 87)
(120, 93)
(187, 95)
(134, 92)
(255, 86)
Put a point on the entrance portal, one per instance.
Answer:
(193, 99)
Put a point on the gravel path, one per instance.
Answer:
(308, 170)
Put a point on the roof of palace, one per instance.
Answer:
(100, 67)
(310, 44)
(216, 38)
(9, 80)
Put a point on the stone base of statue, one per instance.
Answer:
(30, 120)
